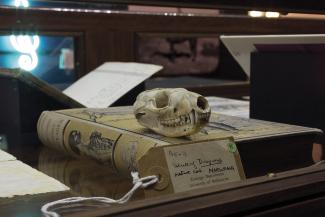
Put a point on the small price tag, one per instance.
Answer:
(184, 167)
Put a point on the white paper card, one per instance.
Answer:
(18, 178)
(226, 106)
(106, 84)
(241, 46)
(195, 166)
(4, 156)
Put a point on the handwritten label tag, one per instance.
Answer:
(185, 167)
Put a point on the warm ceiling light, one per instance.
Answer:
(256, 13)
(270, 14)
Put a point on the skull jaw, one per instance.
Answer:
(183, 125)
(178, 131)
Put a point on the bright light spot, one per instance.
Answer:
(270, 14)
(27, 46)
(256, 13)
(21, 3)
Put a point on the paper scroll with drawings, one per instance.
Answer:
(107, 83)
(241, 46)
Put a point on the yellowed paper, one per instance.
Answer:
(184, 167)
(18, 178)
(114, 137)
(219, 126)
(50, 129)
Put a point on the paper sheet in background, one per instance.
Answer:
(233, 107)
(107, 83)
(4, 156)
(241, 46)
(17, 178)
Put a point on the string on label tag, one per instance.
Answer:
(51, 209)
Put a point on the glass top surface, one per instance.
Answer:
(84, 177)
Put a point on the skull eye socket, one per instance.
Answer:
(162, 100)
(202, 103)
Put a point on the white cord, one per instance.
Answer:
(319, 163)
(137, 183)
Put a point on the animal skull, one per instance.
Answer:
(172, 112)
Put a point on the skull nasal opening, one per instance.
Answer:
(161, 99)
(202, 103)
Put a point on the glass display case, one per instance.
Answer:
(288, 193)
(61, 41)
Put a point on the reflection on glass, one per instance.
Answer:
(85, 177)
(27, 46)
(50, 58)
(61, 4)
(21, 3)
(3, 142)
(180, 55)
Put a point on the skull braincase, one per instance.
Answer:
(172, 112)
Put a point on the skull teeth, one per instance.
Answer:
(204, 117)
(186, 119)
(179, 121)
